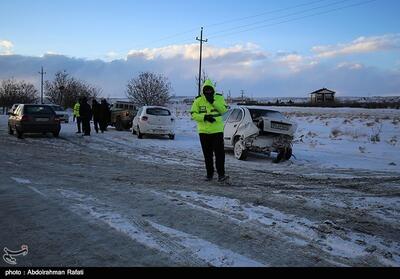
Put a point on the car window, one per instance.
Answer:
(234, 116)
(226, 115)
(57, 108)
(240, 116)
(17, 110)
(256, 113)
(38, 110)
(158, 111)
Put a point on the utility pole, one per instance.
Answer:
(242, 95)
(41, 85)
(201, 52)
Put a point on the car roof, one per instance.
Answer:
(156, 107)
(255, 107)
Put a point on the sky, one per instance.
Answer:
(266, 48)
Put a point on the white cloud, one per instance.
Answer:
(360, 45)
(350, 66)
(246, 67)
(6, 47)
(238, 53)
(112, 55)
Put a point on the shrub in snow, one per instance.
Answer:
(311, 134)
(362, 149)
(393, 141)
(376, 131)
(370, 124)
(336, 132)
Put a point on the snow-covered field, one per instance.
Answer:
(330, 138)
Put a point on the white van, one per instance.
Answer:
(154, 120)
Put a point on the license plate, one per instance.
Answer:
(279, 126)
(42, 119)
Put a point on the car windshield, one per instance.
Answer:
(57, 108)
(256, 113)
(158, 111)
(38, 110)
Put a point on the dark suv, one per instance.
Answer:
(33, 119)
(122, 114)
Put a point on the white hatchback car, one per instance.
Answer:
(61, 113)
(154, 120)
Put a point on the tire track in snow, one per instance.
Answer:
(183, 248)
(336, 241)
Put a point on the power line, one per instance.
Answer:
(296, 19)
(230, 21)
(264, 13)
(214, 35)
(280, 17)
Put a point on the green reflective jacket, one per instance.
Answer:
(201, 107)
(76, 109)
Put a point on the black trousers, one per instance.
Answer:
(213, 144)
(78, 124)
(96, 124)
(86, 126)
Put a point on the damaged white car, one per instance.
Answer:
(257, 129)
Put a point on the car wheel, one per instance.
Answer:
(139, 134)
(20, 134)
(118, 125)
(10, 130)
(280, 156)
(56, 134)
(171, 137)
(133, 131)
(288, 153)
(240, 150)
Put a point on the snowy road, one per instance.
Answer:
(114, 200)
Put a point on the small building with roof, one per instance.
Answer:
(322, 96)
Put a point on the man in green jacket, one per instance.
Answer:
(77, 116)
(207, 110)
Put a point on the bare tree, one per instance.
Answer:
(65, 90)
(16, 92)
(149, 89)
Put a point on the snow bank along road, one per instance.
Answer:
(100, 201)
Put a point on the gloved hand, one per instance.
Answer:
(209, 118)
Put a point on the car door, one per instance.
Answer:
(135, 121)
(231, 125)
(14, 116)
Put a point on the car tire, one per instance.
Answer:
(20, 134)
(118, 125)
(288, 153)
(280, 156)
(56, 134)
(139, 134)
(171, 137)
(240, 151)
(133, 131)
(10, 130)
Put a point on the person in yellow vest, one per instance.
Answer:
(77, 116)
(207, 111)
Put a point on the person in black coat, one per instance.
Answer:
(104, 115)
(96, 114)
(85, 112)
